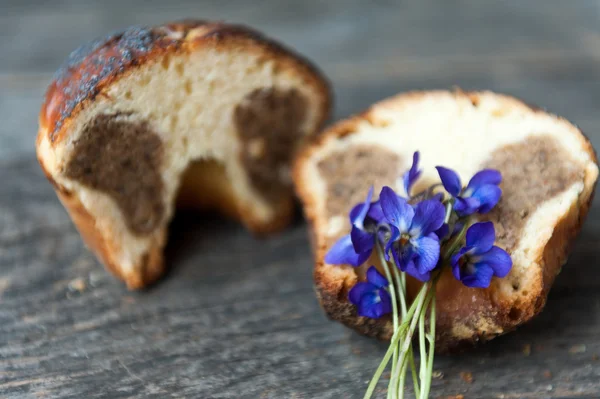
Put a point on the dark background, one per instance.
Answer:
(237, 317)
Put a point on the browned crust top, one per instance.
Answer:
(95, 65)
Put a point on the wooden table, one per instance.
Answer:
(236, 317)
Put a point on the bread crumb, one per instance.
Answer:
(547, 374)
(466, 376)
(577, 349)
(77, 284)
(527, 349)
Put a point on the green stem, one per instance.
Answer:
(422, 348)
(425, 193)
(401, 282)
(400, 388)
(413, 315)
(400, 278)
(426, 384)
(392, 289)
(455, 243)
(397, 385)
(420, 302)
(411, 356)
(384, 362)
(413, 369)
(388, 275)
(449, 205)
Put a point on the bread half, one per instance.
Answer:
(549, 172)
(205, 113)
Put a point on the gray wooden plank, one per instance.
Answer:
(40, 37)
(20, 101)
(237, 326)
(248, 325)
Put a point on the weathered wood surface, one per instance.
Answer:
(237, 317)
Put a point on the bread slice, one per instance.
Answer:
(208, 110)
(549, 170)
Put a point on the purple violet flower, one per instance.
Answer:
(413, 243)
(481, 194)
(371, 297)
(444, 231)
(355, 248)
(476, 263)
(409, 178)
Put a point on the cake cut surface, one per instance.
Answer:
(549, 172)
(205, 114)
(135, 183)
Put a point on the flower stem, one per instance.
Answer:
(426, 383)
(449, 205)
(425, 194)
(420, 302)
(422, 349)
(411, 357)
(456, 241)
(413, 316)
(400, 279)
(413, 369)
(401, 343)
(393, 290)
(399, 385)
(401, 283)
(388, 276)
(384, 362)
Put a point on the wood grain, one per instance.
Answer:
(236, 317)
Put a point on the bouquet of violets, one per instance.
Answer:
(420, 235)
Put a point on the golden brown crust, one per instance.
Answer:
(148, 272)
(152, 265)
(332, 283)
(93, 68)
